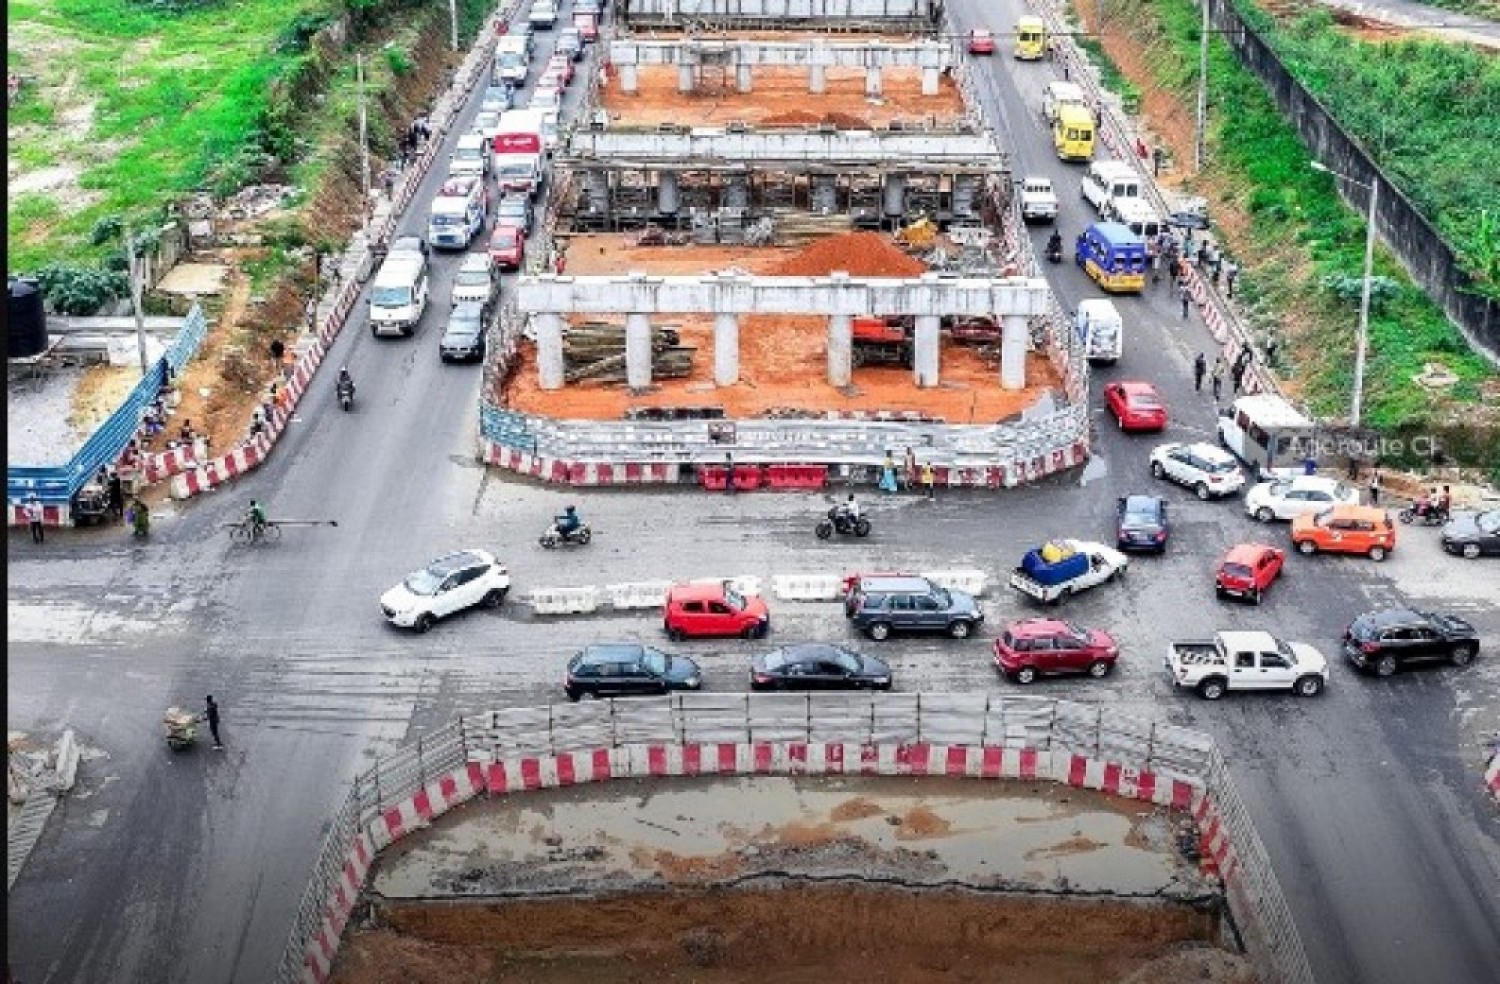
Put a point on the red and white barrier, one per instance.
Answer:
(52, 515)
(1492, 776)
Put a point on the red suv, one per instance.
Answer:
(715, 609)
(1032, 647)
(1247, 570)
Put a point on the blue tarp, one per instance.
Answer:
(1049, 574)
(57, 485)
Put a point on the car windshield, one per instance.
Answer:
(1140, 512)
(1286, 651)
(775, 659)
(390, 296)
(510, 59)
(943, 597)
(515, 171)
(423, 583)
(473, 278)
(1488, 522)
(468, 153)
(505, 240)
(846, 662)
(1342, 491)
(511, 207)
(734, 599)
(1218, 467)
(1237, 570)
(1323, 518)
(1146, 401)
(447, 220)
(655, 662)
(1280, 489)
(463, 323)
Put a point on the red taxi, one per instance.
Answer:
(1247, 571)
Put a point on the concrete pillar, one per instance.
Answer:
(930, 57)
(931, 79)
(736, 191)
(872, 81)
(1015, 338)
(666, 192)
(630, 79)
(638, 351)
(825, 194)
(840, 349)
(685, 75)
(743, 77)
(895, 195)
(726, 349)
(817, 69)
(926, 344)
(549, 350)
(596, 190)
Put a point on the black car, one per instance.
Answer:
(463, 339)
(625, 669)
(1473, 534)
(1385, 641)
(818, 666)
(880, 605)
(1141, 523)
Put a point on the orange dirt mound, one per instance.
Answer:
(860, 254)
(794, 118)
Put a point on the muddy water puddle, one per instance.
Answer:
(693, 832)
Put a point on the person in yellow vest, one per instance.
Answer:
(929, 479)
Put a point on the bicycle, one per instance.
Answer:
(247, 532)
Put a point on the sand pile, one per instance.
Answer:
(860, 254)
(801, 117)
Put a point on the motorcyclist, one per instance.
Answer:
(846, 513)
(345, 381)
(1054, 244)
(256, 517)
(1443, 503)
(569, 522)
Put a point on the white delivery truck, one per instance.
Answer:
(1038, 200)
(1106, 180)
(399, 294)
(458, 213)
(1100, 330)
(516, 151)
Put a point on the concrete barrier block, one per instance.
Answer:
(973, 582)
(637, 594)
(565, 601)
(807, 587)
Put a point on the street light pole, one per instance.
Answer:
(364, 142)
(1202, 115)
(453, 21)
(136, 266)
(1362, 340)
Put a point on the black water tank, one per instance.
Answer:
(28, 320)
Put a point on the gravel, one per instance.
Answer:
(37, 432)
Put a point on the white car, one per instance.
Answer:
(486, 124)
(1293, 497)
(1207, 470)
(447, 585)
(1038, 200)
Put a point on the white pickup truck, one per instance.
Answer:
(1246, 661)
(1086, 565)
(1038, 200)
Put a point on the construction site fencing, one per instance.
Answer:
(458, 754)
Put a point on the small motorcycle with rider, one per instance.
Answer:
(845, 519)
(568, 528)
(344, 387)
(1429, 510)
(1055, 247)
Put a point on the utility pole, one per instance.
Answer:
(1202, 90)
(453, 20)
(136, 266)
(364, 136)
(1356, 411)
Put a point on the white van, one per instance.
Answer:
(1059, 94)
(1264, 431)
(399, 294)
(458, 213)
(1136, 214)
(1101, 330)
(1105, 180)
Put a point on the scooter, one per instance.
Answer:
(1424, 509)
(181, 728)
(553, 537)
(346, 396)
(839, 521)
(1054, 249)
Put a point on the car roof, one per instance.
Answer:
(458, 560)
(811, 650)
(1030, 628)
(1242, 553)
(696, 591)
(611, 652)
(1116, 234)
(1387, 617)
(1345, 510)
(1140, 501)
(475, 261)
(1315, 482)
(1241, 640)
(466, 309)
(1130, 388)
(879, 584)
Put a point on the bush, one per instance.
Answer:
(80, 290)
(106, 229)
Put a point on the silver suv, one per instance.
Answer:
(879, 606)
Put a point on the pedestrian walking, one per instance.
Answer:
(1203, 255)
(729, 473)
(1231, 274)
(1374, 486)
(1153, 256)
(1173, 268)
(929, 479)
(116, 495)
(1186, 296)
(1200, 369)
(888, 474)
(911, 468)
(1241, 366)
(211, 715)
(34, 516)
(1217, 379)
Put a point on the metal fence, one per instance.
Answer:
(941, 719)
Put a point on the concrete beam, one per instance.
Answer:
(784, 54)
(711, 147)
(860, 12)
(930, 294)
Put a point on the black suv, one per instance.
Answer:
(1388, 640)
(880, 605)
(622, 669)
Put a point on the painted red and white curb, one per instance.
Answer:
(527, 773)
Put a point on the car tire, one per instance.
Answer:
(1099, 669)
(494, 597)
(1212, 689)
(1307, 547)
(1385, 666)
(1157, 471)
(879, 631)
(1264, 514)
(676, 635)
(1202, 492)
(960, 629)
(573, 695)
(423, 623)
(1463, 654)
(1377, 553)
(1255, 596)
(1025, 675)
(1470, 551)
(756, 631)
(585, 535)
(1308, 686)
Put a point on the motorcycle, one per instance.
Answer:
(839, 521)
(1428, 512)
(346, 395)
(553, 537)
(181, 728)
(1054, 249)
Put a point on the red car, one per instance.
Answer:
(588, 27)
(981, 42)
(714, 609)
(1033, 647)
(508, 247)
(1247, 570)
(1136, 406)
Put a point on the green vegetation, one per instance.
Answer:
(1478, 8)
(1306, 245)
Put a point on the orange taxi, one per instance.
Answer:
(1349, 529)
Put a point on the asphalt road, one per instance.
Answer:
(189, 867)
